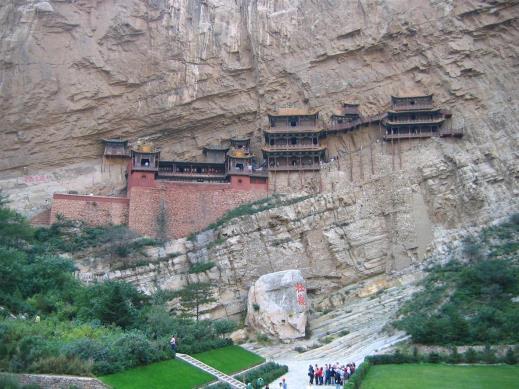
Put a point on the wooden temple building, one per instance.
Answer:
(415, 117)
(220, 164)
(292, 141)
(116, 148)
(349, 113)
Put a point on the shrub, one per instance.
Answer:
(454, 357)
(8, 382)
(62, 364)
(470, 356)
(223, 327)
(488, 355)
(201, 267)
(355, 380)
(434, 358)
(268, 372)
(510, 357)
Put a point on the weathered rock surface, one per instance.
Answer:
(186, 73)
(277, 305)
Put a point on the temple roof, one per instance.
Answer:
(238, 139)
(294, 112)
(115, 140)
(216, 148)
(404, 96)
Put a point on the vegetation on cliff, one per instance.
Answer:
(473, 301)
(51, 323)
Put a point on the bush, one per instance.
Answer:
(268, 371)
(434, 358)
(510, 357)
(356, 379)
(470, 356)
(62, 364)
(201, 267)
(454, 356)
(223, 327)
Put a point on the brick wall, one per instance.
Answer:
(189, 207)
(94, 210)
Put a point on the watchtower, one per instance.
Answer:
(239, 158)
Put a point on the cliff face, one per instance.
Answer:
(186, 73)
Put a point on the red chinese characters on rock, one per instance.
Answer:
(300, 293)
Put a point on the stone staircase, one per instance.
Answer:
(208, 369)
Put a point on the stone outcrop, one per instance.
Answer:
(277, 305)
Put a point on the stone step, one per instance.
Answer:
(208, 369)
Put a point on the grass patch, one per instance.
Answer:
(431, 376)
(161, 375)
(255, 207)
(201, 267)
(230, 359)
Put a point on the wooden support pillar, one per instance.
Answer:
(371, 157)
(361, 166)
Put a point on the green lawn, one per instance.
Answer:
(230, 359)
(432, 376)
(162, 375)
(179, 375)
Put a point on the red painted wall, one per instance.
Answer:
(94, 210)
(189, 207)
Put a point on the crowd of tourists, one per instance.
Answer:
(329, 374)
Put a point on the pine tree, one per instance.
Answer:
(193, 296)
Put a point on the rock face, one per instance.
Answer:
(186, 73)
(277, 305)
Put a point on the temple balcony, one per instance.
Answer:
(411, 135)
(454, 132)
(281, 168)
(362, 121)
(292, 130)
(144, 168)
(193, 175)
(430, 120)
(412, 107)
(291, 147)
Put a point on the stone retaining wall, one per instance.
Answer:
(58, 381)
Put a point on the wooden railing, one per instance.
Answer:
(292, 147)
(289, 129)
(415, 121)
(456, 132)
(356, 123)
(296, 167)
(410, 135)
(410, 107)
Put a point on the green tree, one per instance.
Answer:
(193, 296)
(112, 302)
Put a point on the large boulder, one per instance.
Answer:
(277, 305)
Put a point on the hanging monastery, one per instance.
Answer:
(189, 195)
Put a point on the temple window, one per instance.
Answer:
(145, 162)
